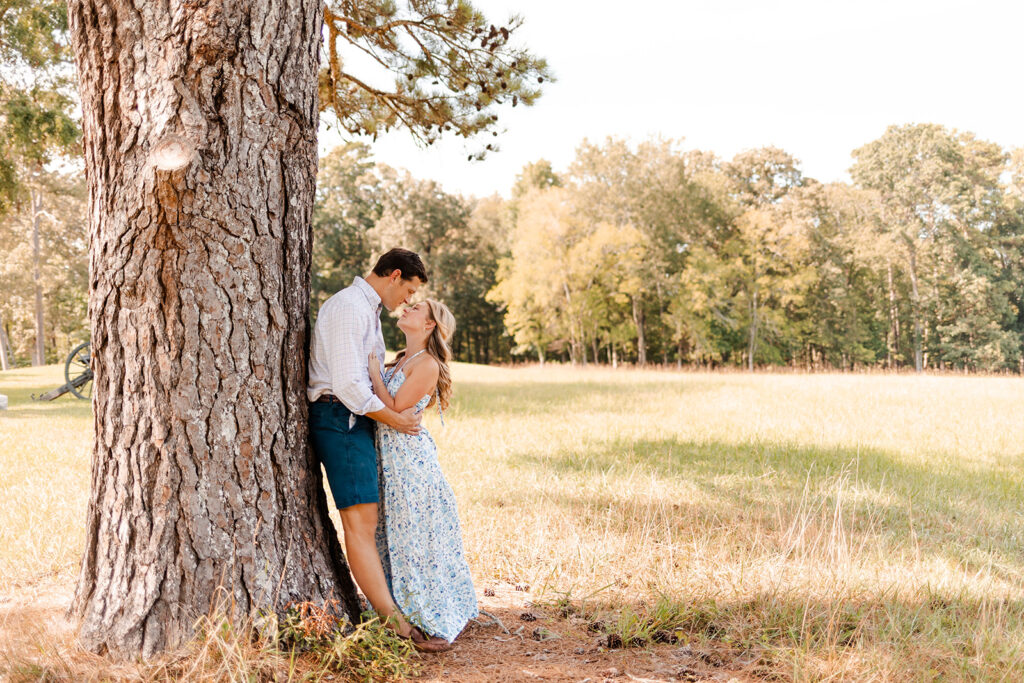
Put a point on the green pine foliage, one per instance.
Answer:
(430, 67)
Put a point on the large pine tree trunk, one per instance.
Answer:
(200, 125)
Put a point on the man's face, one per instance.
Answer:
(399, 291)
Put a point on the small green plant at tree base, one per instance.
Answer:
(369, 651)
(306, 625)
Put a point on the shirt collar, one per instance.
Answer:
(369, 292)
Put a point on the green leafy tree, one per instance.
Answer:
(490, 225)
(1008, 243)
(348, 205)
(839, 322)
(762, 176)
(537, 175)
(36, 92)
(461, 255)
(939, 195)
(701, 314)
(650, 189)
(773, 274)
(532, 284)
(36, 122)
(763, 248)
(608, 260)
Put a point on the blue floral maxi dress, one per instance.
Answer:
(418, 536)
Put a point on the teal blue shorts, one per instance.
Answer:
(349, 455)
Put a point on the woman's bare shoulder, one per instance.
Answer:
(425, 363)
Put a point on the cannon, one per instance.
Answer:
(77, 375)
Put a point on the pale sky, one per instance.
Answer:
(817, 78)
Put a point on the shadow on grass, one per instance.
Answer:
(966, 512)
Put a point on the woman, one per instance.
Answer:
(418, 537)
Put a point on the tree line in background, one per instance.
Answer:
(653, 254)
(645, 254)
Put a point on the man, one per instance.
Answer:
(342, 411)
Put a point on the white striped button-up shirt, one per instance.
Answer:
(347, 330)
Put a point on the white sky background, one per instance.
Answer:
(817, 78)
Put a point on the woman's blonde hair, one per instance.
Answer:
(439, 346)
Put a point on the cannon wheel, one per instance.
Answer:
(78, 372)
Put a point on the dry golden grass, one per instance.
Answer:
(819, 526)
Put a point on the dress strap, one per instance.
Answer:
(437, 392)
(405, 361)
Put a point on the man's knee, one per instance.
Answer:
(360, 520)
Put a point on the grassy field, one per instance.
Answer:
(817, 526)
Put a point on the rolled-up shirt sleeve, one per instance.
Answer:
(346, 360)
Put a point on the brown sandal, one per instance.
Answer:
(423, 643)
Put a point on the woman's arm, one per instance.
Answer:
(420, 380)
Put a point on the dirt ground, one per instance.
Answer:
(534, 645)
(541, 646)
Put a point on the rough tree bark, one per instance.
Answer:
(200, 123)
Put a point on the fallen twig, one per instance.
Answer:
(496, 620)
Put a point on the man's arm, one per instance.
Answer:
(407, 421)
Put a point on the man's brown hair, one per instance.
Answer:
(408, 262)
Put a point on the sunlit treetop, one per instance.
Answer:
(37, 120)
(451, 68)
(33, 34)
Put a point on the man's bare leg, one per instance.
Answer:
(360, 525)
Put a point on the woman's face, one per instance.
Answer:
(415, 318)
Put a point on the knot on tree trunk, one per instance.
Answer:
(172, 153)
(171, 158)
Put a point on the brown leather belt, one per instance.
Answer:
(328, 398)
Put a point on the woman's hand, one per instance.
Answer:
(374, 364)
